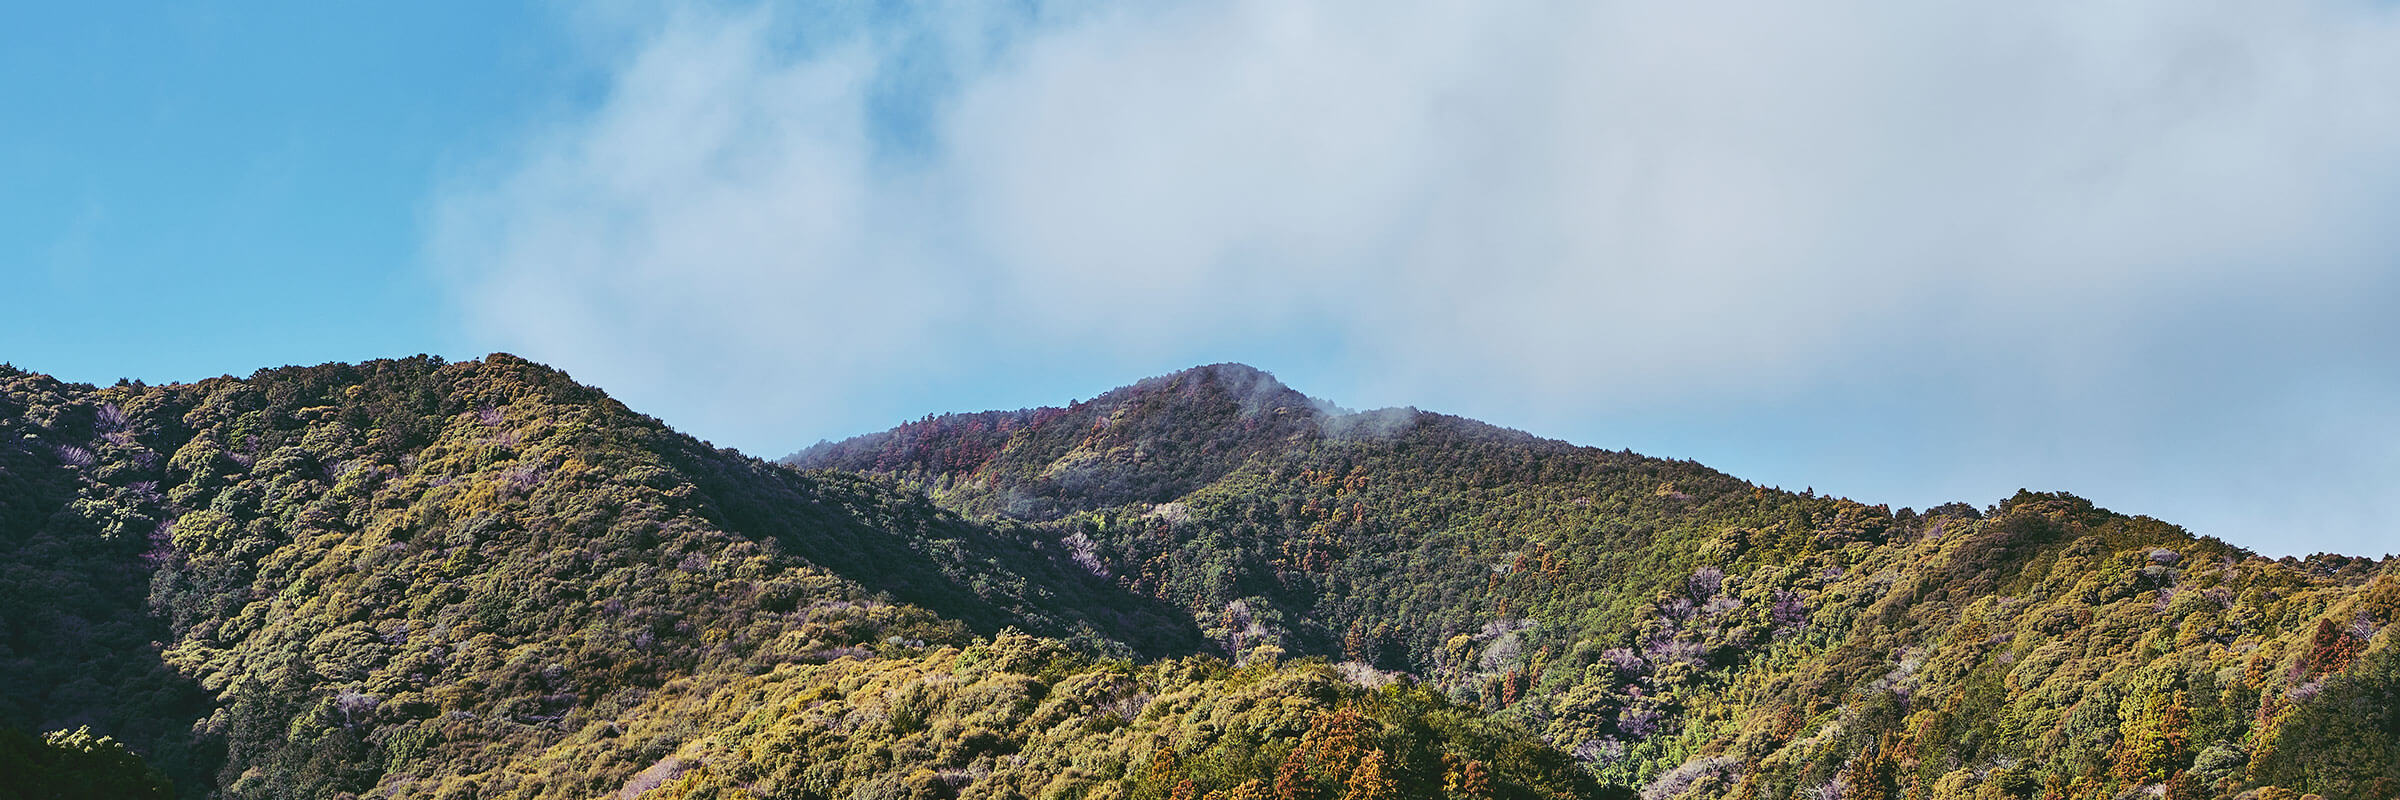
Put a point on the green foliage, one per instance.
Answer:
(1678, 630)
(74, 765)
(973, 723)
(80, 509)
(317, 581)
(421, 579)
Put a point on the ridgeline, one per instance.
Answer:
(414, 578)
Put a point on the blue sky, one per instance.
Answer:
(198, 190)
(1893, 252)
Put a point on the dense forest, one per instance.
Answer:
(1680, 631)
(414, 578)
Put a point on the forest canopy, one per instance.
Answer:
(416, 578)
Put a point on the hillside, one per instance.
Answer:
(415, 578)
(1682, 631)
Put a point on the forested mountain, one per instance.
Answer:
(1150, 442)
(415, 578)
(412, 578)
(1684, 632)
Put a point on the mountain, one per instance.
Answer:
(1685, 632)
(415, 578)
(419, 579)
(1146, 443)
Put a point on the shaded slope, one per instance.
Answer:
(78, 509)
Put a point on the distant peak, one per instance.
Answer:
(1253, 388)
(1229, 372)
(1232, 368)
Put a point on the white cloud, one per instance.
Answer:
(2137, 248)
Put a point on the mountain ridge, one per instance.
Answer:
(1250, 403)
(481, 579)
(1320, 523)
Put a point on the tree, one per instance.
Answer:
(2153, 741)
(1369, 782)
(75, 765)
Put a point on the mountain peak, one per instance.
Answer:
(1249, 388)
(1183, 429)
(1230, 370)
(1231, 373)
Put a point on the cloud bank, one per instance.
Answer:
(1906, 252)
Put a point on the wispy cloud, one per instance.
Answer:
(2136, 249)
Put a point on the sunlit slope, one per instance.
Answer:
(324, 580)
(1682, 631)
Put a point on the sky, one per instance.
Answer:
(1903, 252)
